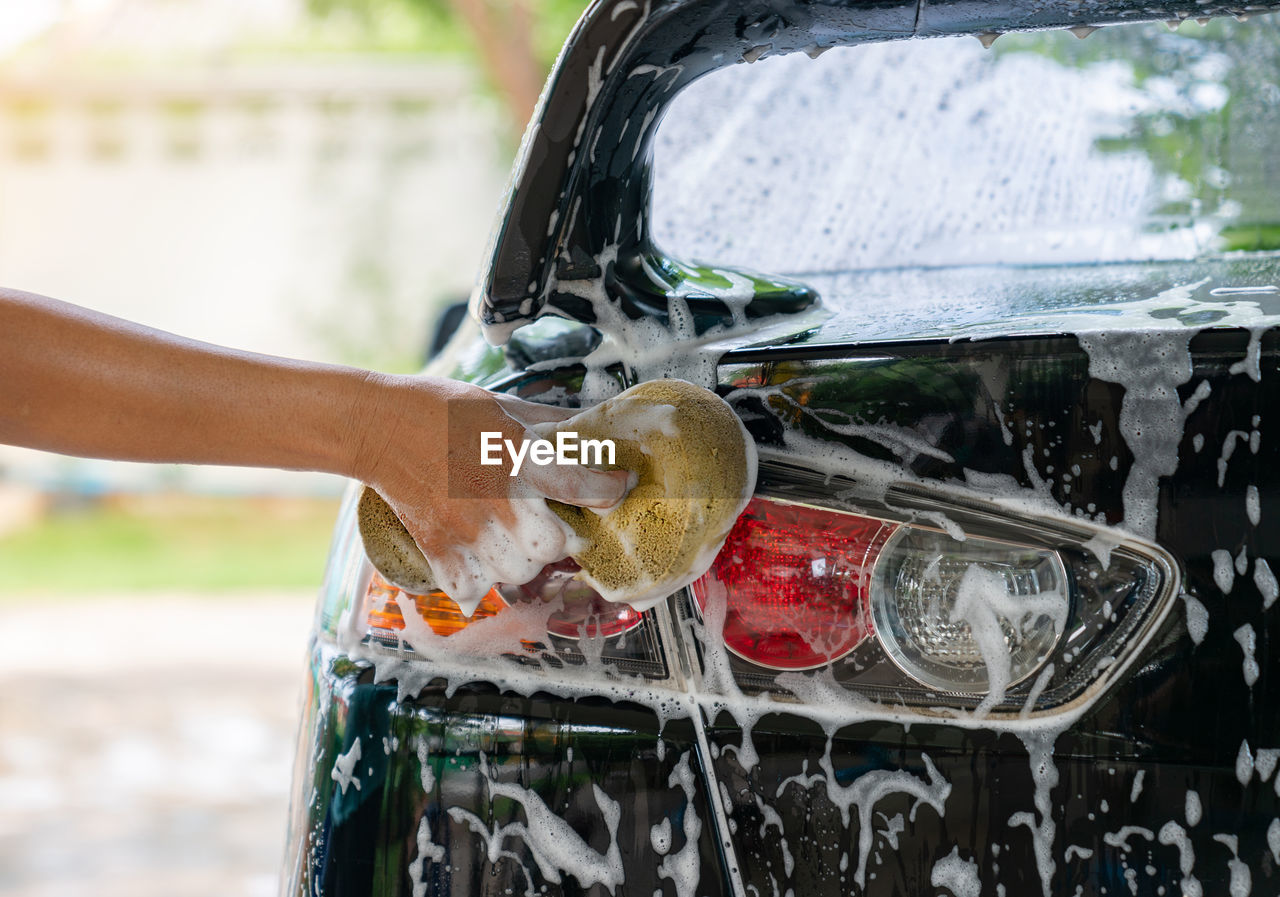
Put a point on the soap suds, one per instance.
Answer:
(344, 768)
(1197, 618)
(1192, 809)
(867, 790)
(1228, 449)
(958, 875)
(1173, 834)
(1224, 576)
(428, 850)
(982, 601)
(1044, 773)
(1241, 882)
(1244, 764)
(553, 844)
(1248, 642)
(684, 867)
(1136, 790)
(1265, 762)
(1265, 580)
(1121, 838)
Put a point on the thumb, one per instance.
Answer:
(585, 487)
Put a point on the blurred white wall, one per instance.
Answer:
(316, 210)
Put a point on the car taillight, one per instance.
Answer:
(796, 580)
(938, 606)
(574, 609)
(804, 586)
(555, 622)
(436, 609)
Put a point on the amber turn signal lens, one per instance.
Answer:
(437, 609)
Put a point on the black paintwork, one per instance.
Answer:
(362, 841)
(1179, 718)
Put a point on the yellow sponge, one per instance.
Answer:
(696, 470)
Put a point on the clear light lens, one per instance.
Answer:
(975, 616)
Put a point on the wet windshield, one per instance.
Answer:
(1138, 143)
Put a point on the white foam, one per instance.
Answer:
(1251, 364)
(344, 768)
(960, 876)
(684, 868)
(1039, 744)
(982, 601)
(1137, 785)
(1248, 641)
(1224, 576)
(1228, 449)
(660, 836)
(504, 551)
(1173, 834)
(1121, 838)
(1192, 808)
(1241, 881)
(1265, 762)
(1197, 618)
(1244, 764)
(428, 850)
(553, 844)
(1265, 580)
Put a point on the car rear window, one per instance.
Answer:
(1137, 143)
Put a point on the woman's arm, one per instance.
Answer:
(79, 382)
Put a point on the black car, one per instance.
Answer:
(1001, 319)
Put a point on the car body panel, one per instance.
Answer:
(1017, 408)
(508, 794)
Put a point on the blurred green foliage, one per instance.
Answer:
(185, 543)
(1207, 107)
(432, 26)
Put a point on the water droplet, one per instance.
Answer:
(987, 38)
(1083, 31)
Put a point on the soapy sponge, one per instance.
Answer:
(696, 470)
(695, 466)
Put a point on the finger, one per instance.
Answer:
(582, 486)
(530, 413)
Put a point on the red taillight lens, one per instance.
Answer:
(583, 613)
(795, 580)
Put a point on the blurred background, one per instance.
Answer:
(313, 178)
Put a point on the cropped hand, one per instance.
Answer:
(477, 524)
